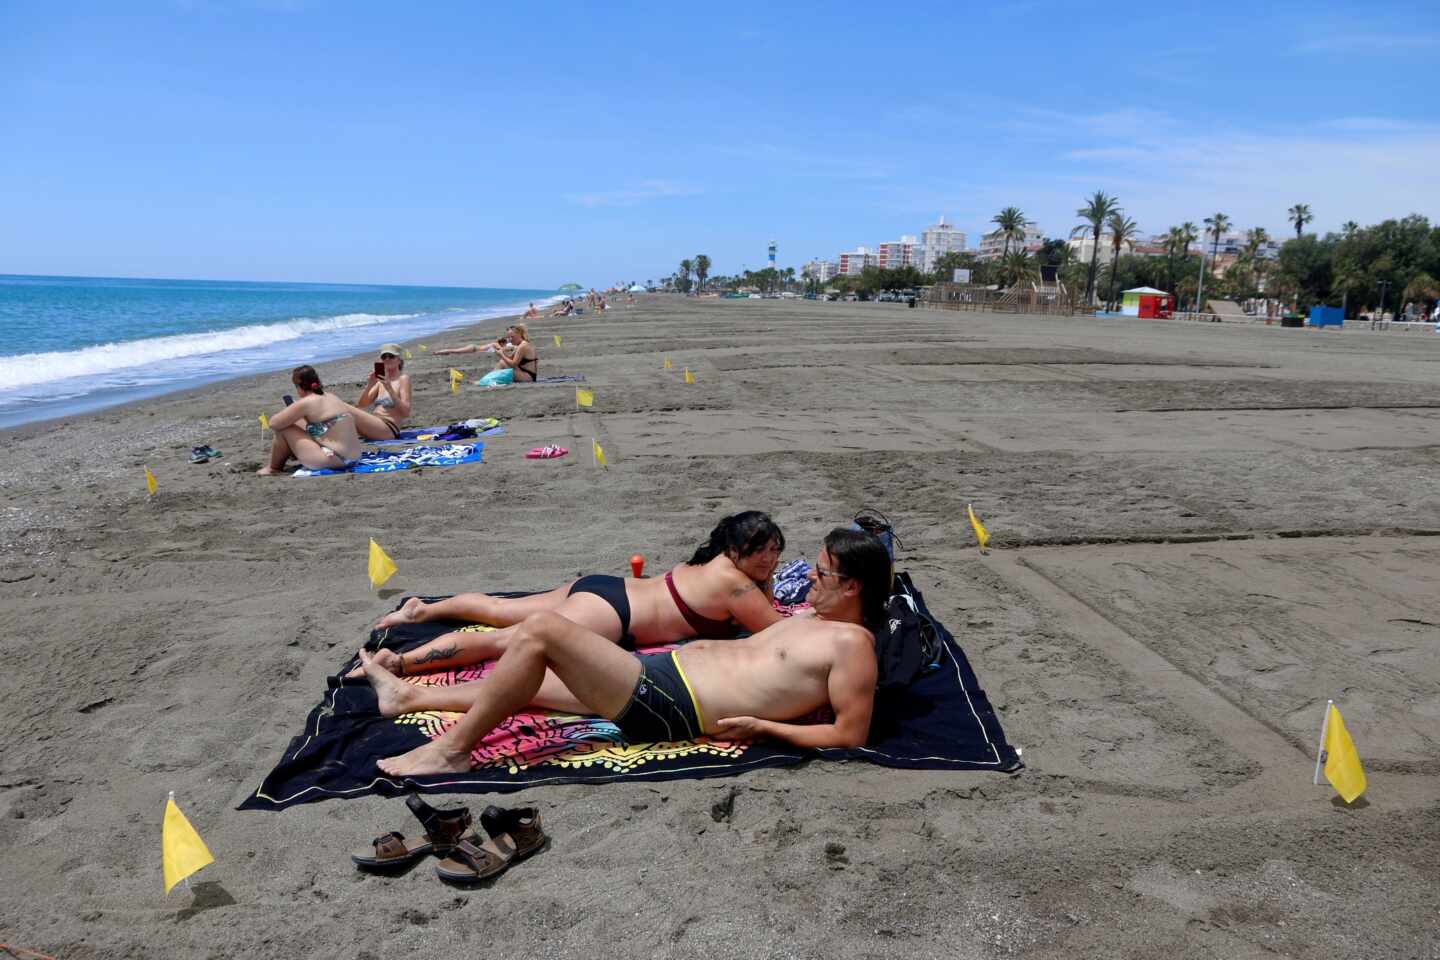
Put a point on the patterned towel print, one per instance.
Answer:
(943, 721)
(388, 461)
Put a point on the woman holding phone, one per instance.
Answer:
(385, 402)
(318, 429)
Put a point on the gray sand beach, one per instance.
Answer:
(1201, 533)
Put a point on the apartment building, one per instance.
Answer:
(822, 270)
(851, 262)
(904, 252)
(992, 245)
(937, 240)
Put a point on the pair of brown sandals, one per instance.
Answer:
(467, 856)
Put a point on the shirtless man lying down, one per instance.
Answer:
(733, 689)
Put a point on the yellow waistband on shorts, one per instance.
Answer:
(699, 717)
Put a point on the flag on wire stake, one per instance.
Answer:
(982, 536)
(408, 356)
(584, 398)
(182, 852)
(557, 339)
(380, 566)
(150, 485)
(455, 377)
(423, 348)
(599, 452)
(689, 377)
(666, 364)
(1337, 755)
(264, 425)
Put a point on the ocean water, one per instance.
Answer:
(71, 344)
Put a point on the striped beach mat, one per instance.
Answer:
(943, 721)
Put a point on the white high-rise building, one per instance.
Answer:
(937, 240)
(822, 270)
(992, 245)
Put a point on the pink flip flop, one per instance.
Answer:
(546, 453)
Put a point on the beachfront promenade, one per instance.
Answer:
(1201, 532)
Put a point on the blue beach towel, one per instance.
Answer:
(388, 461)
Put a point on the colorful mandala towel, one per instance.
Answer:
(941, 722)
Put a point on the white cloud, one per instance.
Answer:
(640, 192)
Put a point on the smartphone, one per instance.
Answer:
(287, 399)
(380, 368)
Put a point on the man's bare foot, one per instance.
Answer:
(385, 660)
(409, 612)
(395, 695)
(432, 757)
(266, 472)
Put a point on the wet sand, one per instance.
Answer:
(1202, 531)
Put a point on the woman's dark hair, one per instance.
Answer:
(743, 534)
(864, 559)
(306, 378)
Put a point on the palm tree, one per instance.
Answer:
(685, 267)
(1254, 240)
(1349, 228)
(1300, 215)
(702, 270)
(1095, 213)
(1176, 241)
(1215, 225)
(1012, 223)
(1017, 267)
(1123, 231)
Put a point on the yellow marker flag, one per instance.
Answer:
(423, 348)
(584, 398)
(408, 356)
(182, 852)
(381, 567)
(150, 484)
(982, 536)
(599, 454)
(557, 339)
(455, 377)
(1342, 763)
(264, 422)
(689, 377)
(666, 365)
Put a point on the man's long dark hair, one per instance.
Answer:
(864, 559)
(742, 534)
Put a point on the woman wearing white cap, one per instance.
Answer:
(385, 402)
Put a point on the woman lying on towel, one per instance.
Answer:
(725, 588)
(318, 429)
(515, 358)
(385, 402)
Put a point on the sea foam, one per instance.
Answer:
(29, 369)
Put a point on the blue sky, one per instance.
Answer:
(527, 145)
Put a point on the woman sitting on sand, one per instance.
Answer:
(385, 401)
(515, 361)
(727, 583)
(318, 429)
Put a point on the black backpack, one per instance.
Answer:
(909, 644)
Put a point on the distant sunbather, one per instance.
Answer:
(727, 583)
(385, 401)
(742, 689)
(318, 429)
